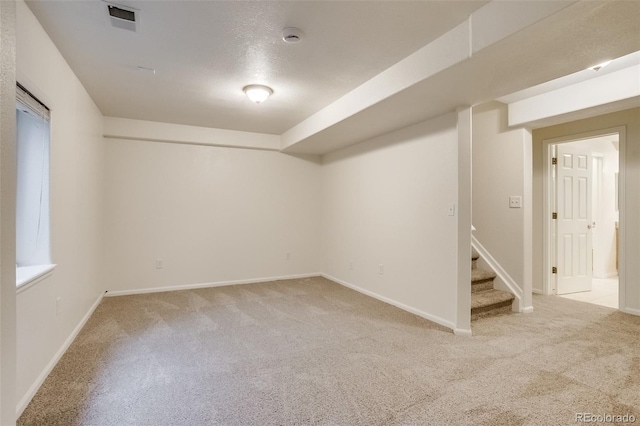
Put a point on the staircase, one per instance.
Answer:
(486, 300)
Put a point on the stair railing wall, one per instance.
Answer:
(503, 280)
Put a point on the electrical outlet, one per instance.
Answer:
(381, 269)
(58, 305)
(351, 265)
(451, 210)
(159, 263)
(515, 202)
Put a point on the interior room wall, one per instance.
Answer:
(500, 156)
(212, 214)
(630, 121)
(386, 228)
(77, 159)
(7, 214)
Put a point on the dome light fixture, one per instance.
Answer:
(257, 92)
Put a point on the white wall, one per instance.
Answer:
(500, 162)
(76, 208)
(384, 201)
(7, 215)
(212, 214)
(629, 120)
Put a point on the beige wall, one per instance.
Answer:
(499, 157)
(630, 120)
(76, 209)
(384, 201)
(7, 215)
(212, 214)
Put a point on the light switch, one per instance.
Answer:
(515, 202)
(451, 210)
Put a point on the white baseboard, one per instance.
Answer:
(527, 310)
(462, 332)
(206, 285)
(631, 311)
(397, 304)
(26, 399)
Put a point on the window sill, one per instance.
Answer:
(28, 276)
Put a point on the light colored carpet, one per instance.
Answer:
(310, 351)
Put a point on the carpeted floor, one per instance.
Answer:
(310, 351)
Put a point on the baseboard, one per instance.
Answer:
(206, 285)
(462, 332)
(395, 303)
(527, 310)
(26, 399)
(631, 311)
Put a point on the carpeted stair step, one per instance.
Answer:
(481, 280)
(474, 258)
(490, 302)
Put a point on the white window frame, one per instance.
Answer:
(35, 268)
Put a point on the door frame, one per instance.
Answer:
(549, 286)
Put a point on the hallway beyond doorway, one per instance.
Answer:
(604, 292)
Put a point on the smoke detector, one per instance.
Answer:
(292, 35)
(123, 17)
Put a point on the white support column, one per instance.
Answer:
(526, 304)
(463, 314)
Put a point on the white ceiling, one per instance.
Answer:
(205, 52)
(540, 42)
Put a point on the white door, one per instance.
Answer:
(574, 239)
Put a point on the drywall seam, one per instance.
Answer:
(395, 303)
(207, 285)
(26, 399)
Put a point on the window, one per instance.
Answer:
(32, 188)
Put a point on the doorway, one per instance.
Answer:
(583, 210)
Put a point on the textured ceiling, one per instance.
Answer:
(206, 51)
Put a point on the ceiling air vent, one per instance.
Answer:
(122, 17)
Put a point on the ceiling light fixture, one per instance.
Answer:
(257, 93)
(599, 66)
(291, 35)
